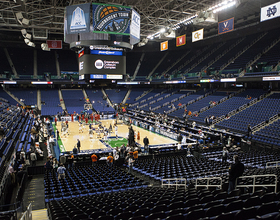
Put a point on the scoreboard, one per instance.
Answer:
(100, 64)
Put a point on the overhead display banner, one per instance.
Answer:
(78, 19)
(197, 35)
(164, 46)
(270, 11)
(111, 19)
(135, 28)
(181, 40)
(226, 26)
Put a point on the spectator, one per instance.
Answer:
(130, 164)
(28, 154)
(146, 145)
(12, 173)
(235, 170)
(22, 156)
(61, 172)
(249, 130)
(225, 155)
(62, 159)
(70, 160)
(94, 159)
(48, 164)
(55, 164)
(110, 160)
(75, 150)
(33, 159)
(135, 154)
(122, 151)
(116, 159)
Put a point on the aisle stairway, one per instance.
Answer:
(41, 214)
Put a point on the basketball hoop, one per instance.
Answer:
(87, 106)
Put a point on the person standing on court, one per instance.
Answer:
(116, 131)
(235, 170)
(146, 145)
(79, 146)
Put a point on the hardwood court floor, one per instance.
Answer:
(88, 143)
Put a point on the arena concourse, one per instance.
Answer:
(190, 130)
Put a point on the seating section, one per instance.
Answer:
(24, 67)
(178, 167)
(229, 105)
(116, 95)
(255, 114)
(46, 61)
(8, 98)
(210, 164)
(28, 97)
(204, 102)
(74, 100)
(134, 94)
(166, 203)
(269, 134)
(51, 102)
(16, 134)
(166, 98)
(88, 180)
(4, 67)
(68, 60)
(98, 103)
(272, 57)
(190, 96)
(150, 60)
(132, 62)
(155, 99)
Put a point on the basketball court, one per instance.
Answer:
(87, 143)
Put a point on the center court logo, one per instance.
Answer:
(111, 19)
(99, 64)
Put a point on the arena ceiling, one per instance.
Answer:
(48, 15)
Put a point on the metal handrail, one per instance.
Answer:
(208, 179)
(177, 180)
(277, 164)
(254, 182)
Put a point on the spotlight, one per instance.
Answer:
(23, 32)
(25, 21)
(45, 47)
(28, 36)
(19, 16)
(31, 44)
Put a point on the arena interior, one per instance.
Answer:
(201, 85)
